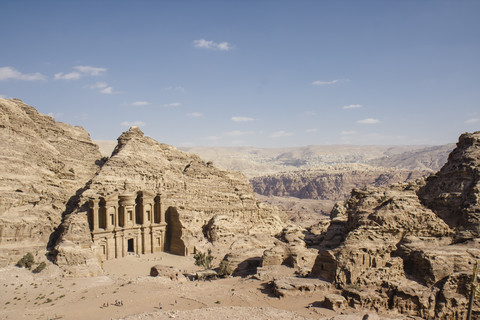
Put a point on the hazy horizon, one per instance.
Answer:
(266, 74)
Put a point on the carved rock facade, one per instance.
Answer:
(150, 197)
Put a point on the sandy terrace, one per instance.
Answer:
(49, 295)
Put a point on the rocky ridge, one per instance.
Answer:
(43, 164)
(330, 183)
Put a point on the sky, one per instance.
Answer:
(249, 73)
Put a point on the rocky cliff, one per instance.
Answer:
(408, 247)
(213, 205)
(42, 165)
(330, 183)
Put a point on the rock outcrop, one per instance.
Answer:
(209, 205)
(410, 246)
(330, 183)
(427, 159)
(42, 165)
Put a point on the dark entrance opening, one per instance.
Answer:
(174, 243)
(130, 245)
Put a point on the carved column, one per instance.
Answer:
(127, 203)
(93, 207)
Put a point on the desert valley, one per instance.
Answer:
(147, 231)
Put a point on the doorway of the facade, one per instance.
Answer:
(130, 246)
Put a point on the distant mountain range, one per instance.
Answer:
(254, 162)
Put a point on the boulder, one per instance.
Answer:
(293, 286)
(166, 272)
(334, 302)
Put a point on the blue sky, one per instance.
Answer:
(256, 73)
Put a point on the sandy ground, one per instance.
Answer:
(49, 295)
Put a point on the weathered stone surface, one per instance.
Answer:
(166, 272)
(330, 183)
(291, 251)
(454, 192)
(206, 275)
(297, 286)
(401, 245)
(334, 302)
(245, 254)
(205, 203)
(42, 165)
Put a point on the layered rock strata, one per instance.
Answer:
(42, 165)
(411, 246)
(196, 204)
(330, 183)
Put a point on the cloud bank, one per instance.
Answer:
(7, 73)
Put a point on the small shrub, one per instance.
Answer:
(27, 261)
(225, 269)
(203, 259)
(40, 267)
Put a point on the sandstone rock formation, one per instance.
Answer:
(308, 195)
(43, 164)
(198, 203)
(330, 183)
(410, 246)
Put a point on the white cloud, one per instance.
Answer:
(67, 76)
(177, 88)
(103, 87)
(207, 44)
(472, 120)
(7, 73)
(107, 90)
(352, 106)
(368, 121)
(89, 70)
(194, 114)
(133, 123)
(324, 83)
(280, 134)
(237, 133)
(311, 130)
(348, 132)
(79, 73)
(140, 103)
(242, 119)
(172, 105)
(212, 138)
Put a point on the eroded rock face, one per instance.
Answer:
(410, 246)
(330, 182)
(454, 192)
(42, 165)
(209, 204)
